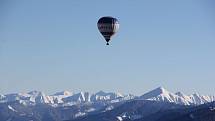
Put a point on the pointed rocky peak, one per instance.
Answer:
(161, 90)
(154, 93)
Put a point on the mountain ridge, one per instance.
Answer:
(65, 105)
(69, 98)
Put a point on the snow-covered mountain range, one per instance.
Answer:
(82, 106)
(161, 94)
(67, 98)
(64, 98)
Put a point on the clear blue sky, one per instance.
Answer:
(55, 45)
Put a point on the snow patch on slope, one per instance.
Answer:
(11, 108)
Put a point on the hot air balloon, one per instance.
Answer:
(108, 26)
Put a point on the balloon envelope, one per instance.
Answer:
(108, 26)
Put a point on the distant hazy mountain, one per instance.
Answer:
(85, 106)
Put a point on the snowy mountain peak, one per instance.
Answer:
(34, 96)
(101, 93)
(160, 90)
(161, 94)
(154, 93)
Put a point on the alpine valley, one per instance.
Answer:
(156, 105)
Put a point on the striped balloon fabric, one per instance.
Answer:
(108, 26)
